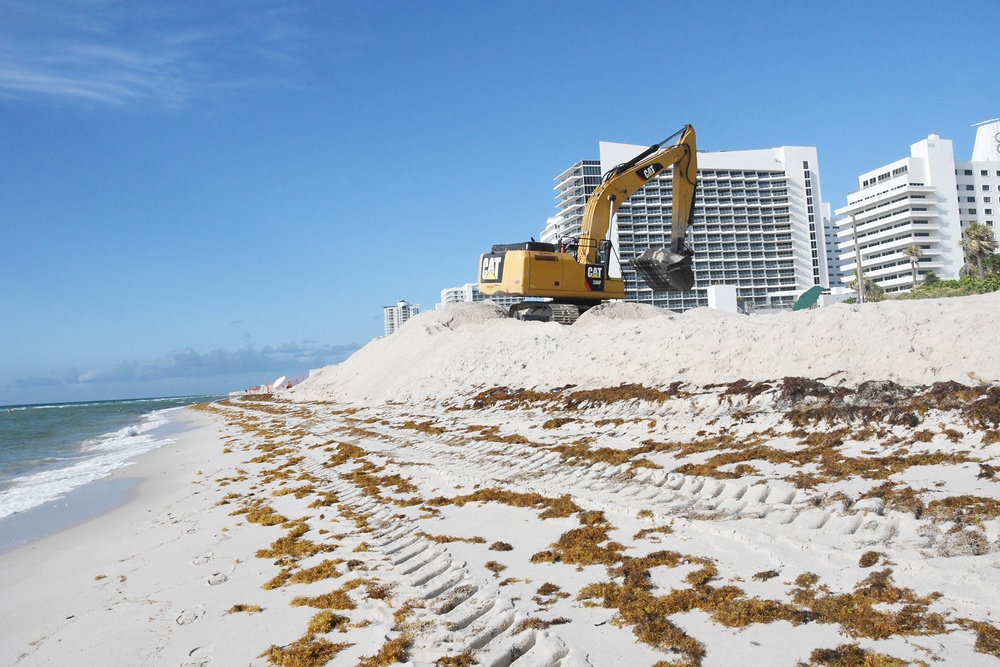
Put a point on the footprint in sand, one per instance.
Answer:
(190, 615)
(197, 662)
(202, 559)
(199, 657)
(217, 578)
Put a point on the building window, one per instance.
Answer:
(986, 187)
(971, 200)
(968, 172)
(984, 172)
(989, 211)
(970, 187)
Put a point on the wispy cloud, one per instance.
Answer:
(121, 371)
(122, 54)
(290, 359)
(82, 72)
(39, 381)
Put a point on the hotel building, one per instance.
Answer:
(395, 316)
(925, 199)
(470, 292)
(758, 223)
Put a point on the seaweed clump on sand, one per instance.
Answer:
(561, 398)
(886, 402)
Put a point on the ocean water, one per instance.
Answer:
(47, 451)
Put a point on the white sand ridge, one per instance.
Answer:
(455, 351)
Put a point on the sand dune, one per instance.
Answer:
(455, 350)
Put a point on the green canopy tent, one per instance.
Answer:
(808, 298)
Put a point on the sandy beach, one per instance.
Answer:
(123, 588)
(642, 488)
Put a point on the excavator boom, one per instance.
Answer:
(663, 269)
(626, 179)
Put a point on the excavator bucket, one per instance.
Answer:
(665, 271)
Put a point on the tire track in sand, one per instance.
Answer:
(457, 611)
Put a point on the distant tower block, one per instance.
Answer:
(395, 316)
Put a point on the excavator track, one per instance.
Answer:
(543, 311)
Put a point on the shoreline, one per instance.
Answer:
(77, 506)
(88, 500)
(136, 567)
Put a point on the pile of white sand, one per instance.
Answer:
(463, 348)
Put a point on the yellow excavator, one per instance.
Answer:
(574, 277)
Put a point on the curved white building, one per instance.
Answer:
(925, 199)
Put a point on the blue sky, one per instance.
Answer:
(196, 197)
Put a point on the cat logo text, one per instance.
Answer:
(492, 269)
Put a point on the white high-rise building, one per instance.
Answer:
(925, 199)
(758, 224)
(466, 293)
(573, 188)
(987, 148)
(469, 292)
(981, 175)
(830, 230)
(395, 316)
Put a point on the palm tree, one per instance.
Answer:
(992, 265)
(913, 252)
(873, 291)
(978, 243)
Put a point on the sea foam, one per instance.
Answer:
(94, 459)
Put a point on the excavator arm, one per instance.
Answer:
(662, 268)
